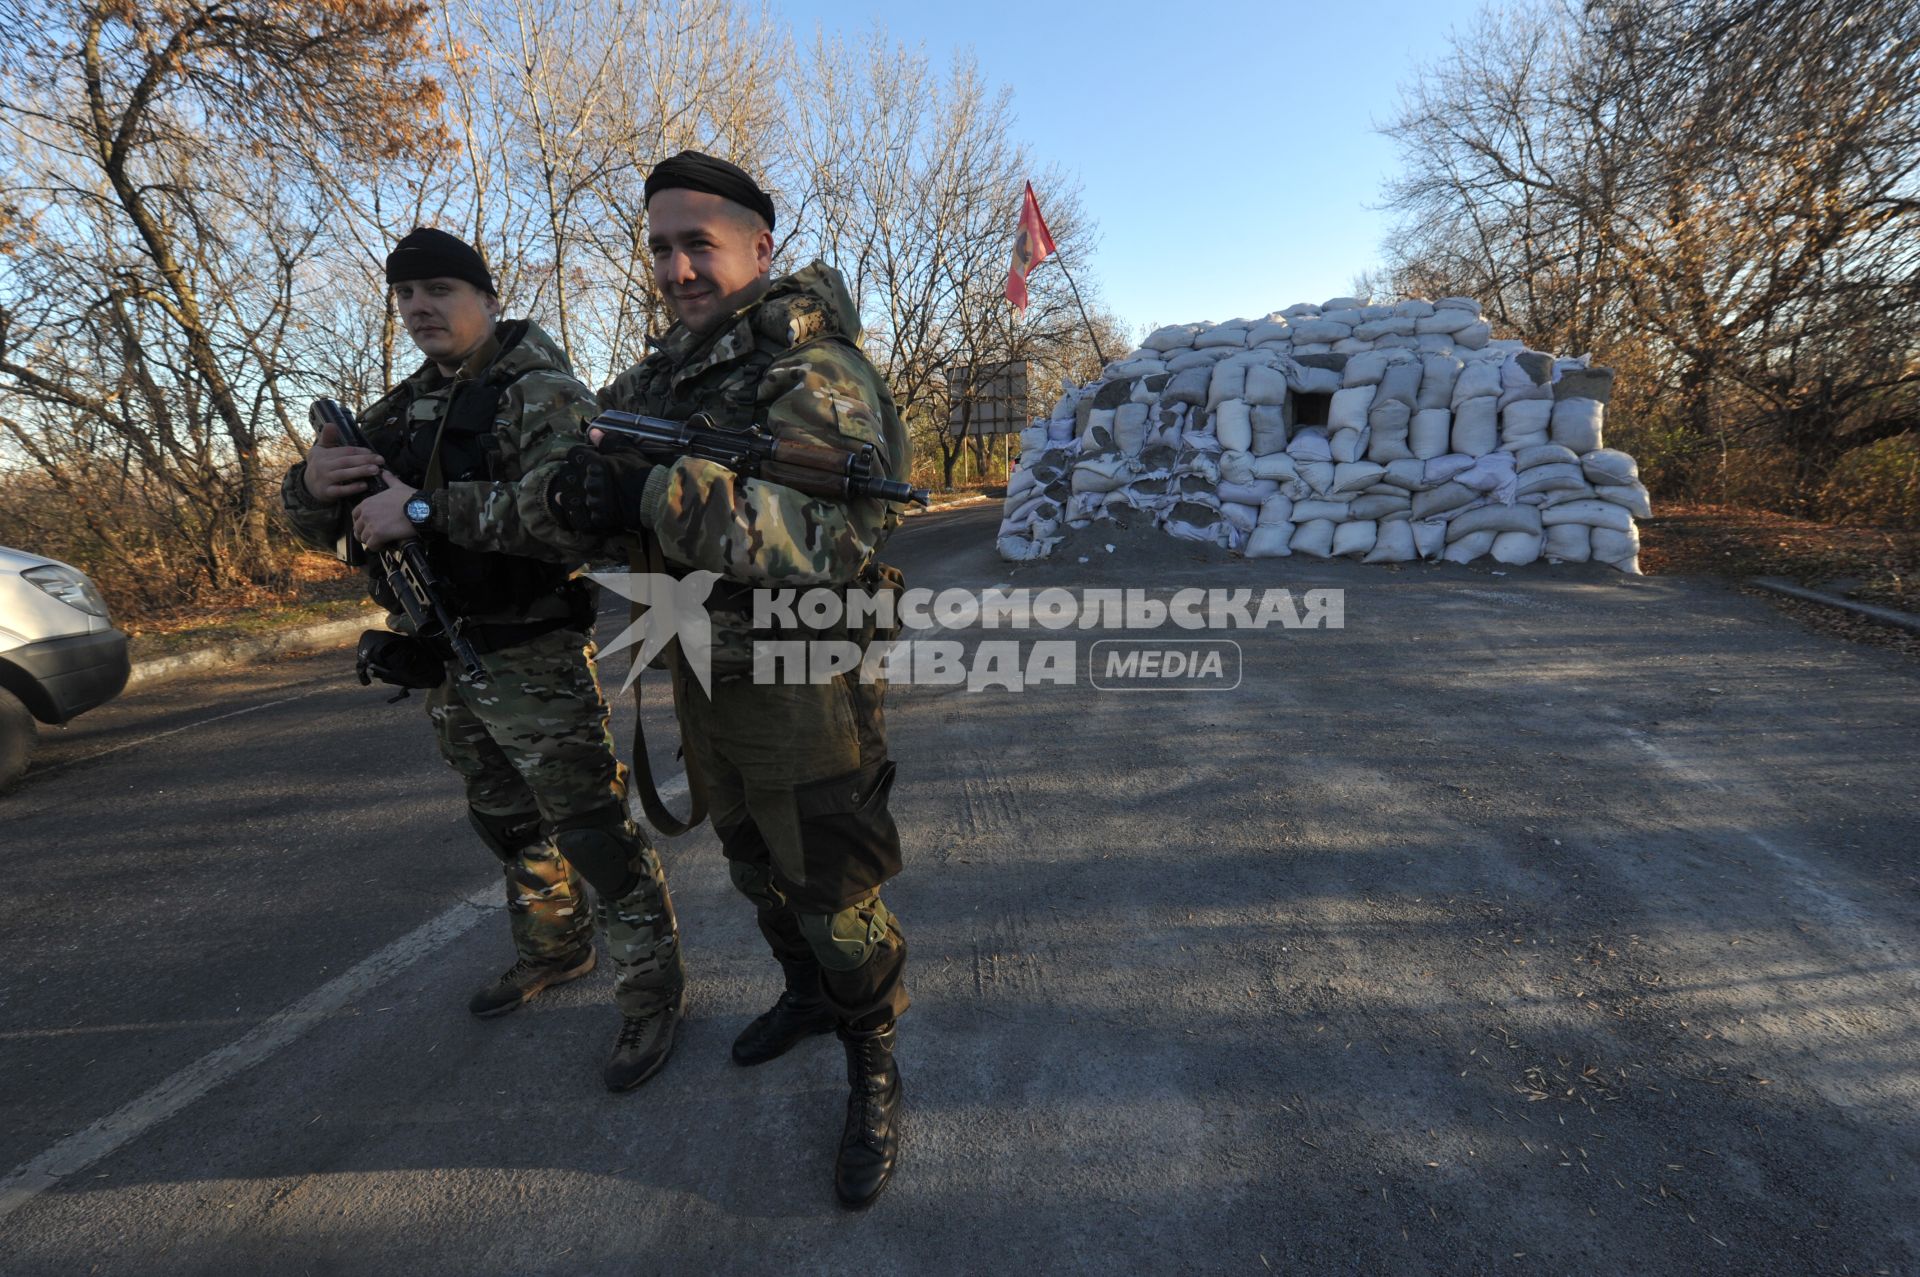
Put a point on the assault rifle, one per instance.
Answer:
(812, 468)
(408, 573)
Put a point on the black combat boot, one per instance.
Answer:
(790, 1021)
(870, 1144)
(644, 1044)
(519, 983)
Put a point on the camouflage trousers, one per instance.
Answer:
(533, 747)
(797, 782)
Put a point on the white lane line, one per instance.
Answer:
(185, 727)
(272, 1035)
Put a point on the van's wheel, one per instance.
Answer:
(17, 738)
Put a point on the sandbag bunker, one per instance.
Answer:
(1385, 432)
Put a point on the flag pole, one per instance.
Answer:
(1056, 256)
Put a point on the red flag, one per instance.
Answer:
(1030, 247)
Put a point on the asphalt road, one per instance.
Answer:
(1543, 921)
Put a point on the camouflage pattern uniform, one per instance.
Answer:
(797, 777)
(532, 742)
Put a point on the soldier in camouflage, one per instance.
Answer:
(796, 777)
(495, 401)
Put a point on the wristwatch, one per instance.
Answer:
(419, 511)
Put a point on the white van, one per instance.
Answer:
(59, 653)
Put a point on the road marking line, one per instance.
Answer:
(175, 731)
(133, 1119)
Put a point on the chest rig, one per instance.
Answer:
(433, 440)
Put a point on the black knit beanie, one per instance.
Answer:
(427, 253)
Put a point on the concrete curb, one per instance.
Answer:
(963, 503)
(308, 638)
(1885, 615)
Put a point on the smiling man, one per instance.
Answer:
(495, 400)
(796, 776)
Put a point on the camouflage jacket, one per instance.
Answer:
(540, 414)
(791, 363)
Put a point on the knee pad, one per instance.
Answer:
(603, 845)
(755, 882)
(506, 836)
(847, 940)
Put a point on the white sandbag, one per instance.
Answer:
(1492, 474)
(1353, 476)
(1310, 444)
(1223, 335)
(1097, 434)
(1265, 385)
(1233, 426)
(1236, 467)
(1516, 548)
(1409, 474)
(1034, 438)
(1274, 465)
(1551, 478)
(1473, 336)
(1318, 475)
(1270, 333)
(1413, 308)
(1276, 509)
(1632, 496)
(1595, 514)
(1387, 423)
(1568, 542)
(1019, 482)
(1469, 547)
(1494, 518)
(1393, 544)
(1477, 381)
(1354, 538)
(1391, 326)
(1438, 375)
(1192, 360)
(1269, 541)
(1443, 467)
(1348, 444)
(1102, 474)
(1172, 337)
(1018, 549)
(1611, 545)
(1059, 430)
(1429, 538)
(1380, 506)
(1255, 493)
(1430, 433)
(1314, 538)
(1349, 408)
(1188, 387)
(1316, 508)
(1468, 304)
(1442, 500)
(1524, 419)
(1401, 384)
(1476, 428)
(1577, 424)
(1610, 466)
(1445, 322)
(1366, 369)
(1546, 454)
(1309, 332)
(1130, 424)
(1240, 515)
(1229, 381)
(1269, 427)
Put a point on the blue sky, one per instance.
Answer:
(1229, 155)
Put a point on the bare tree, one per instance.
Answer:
(155, 174)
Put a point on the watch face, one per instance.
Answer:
(418, 511)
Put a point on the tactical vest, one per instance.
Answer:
(484, 582)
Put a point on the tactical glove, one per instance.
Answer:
(594, 492)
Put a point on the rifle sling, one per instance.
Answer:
(650, 802)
